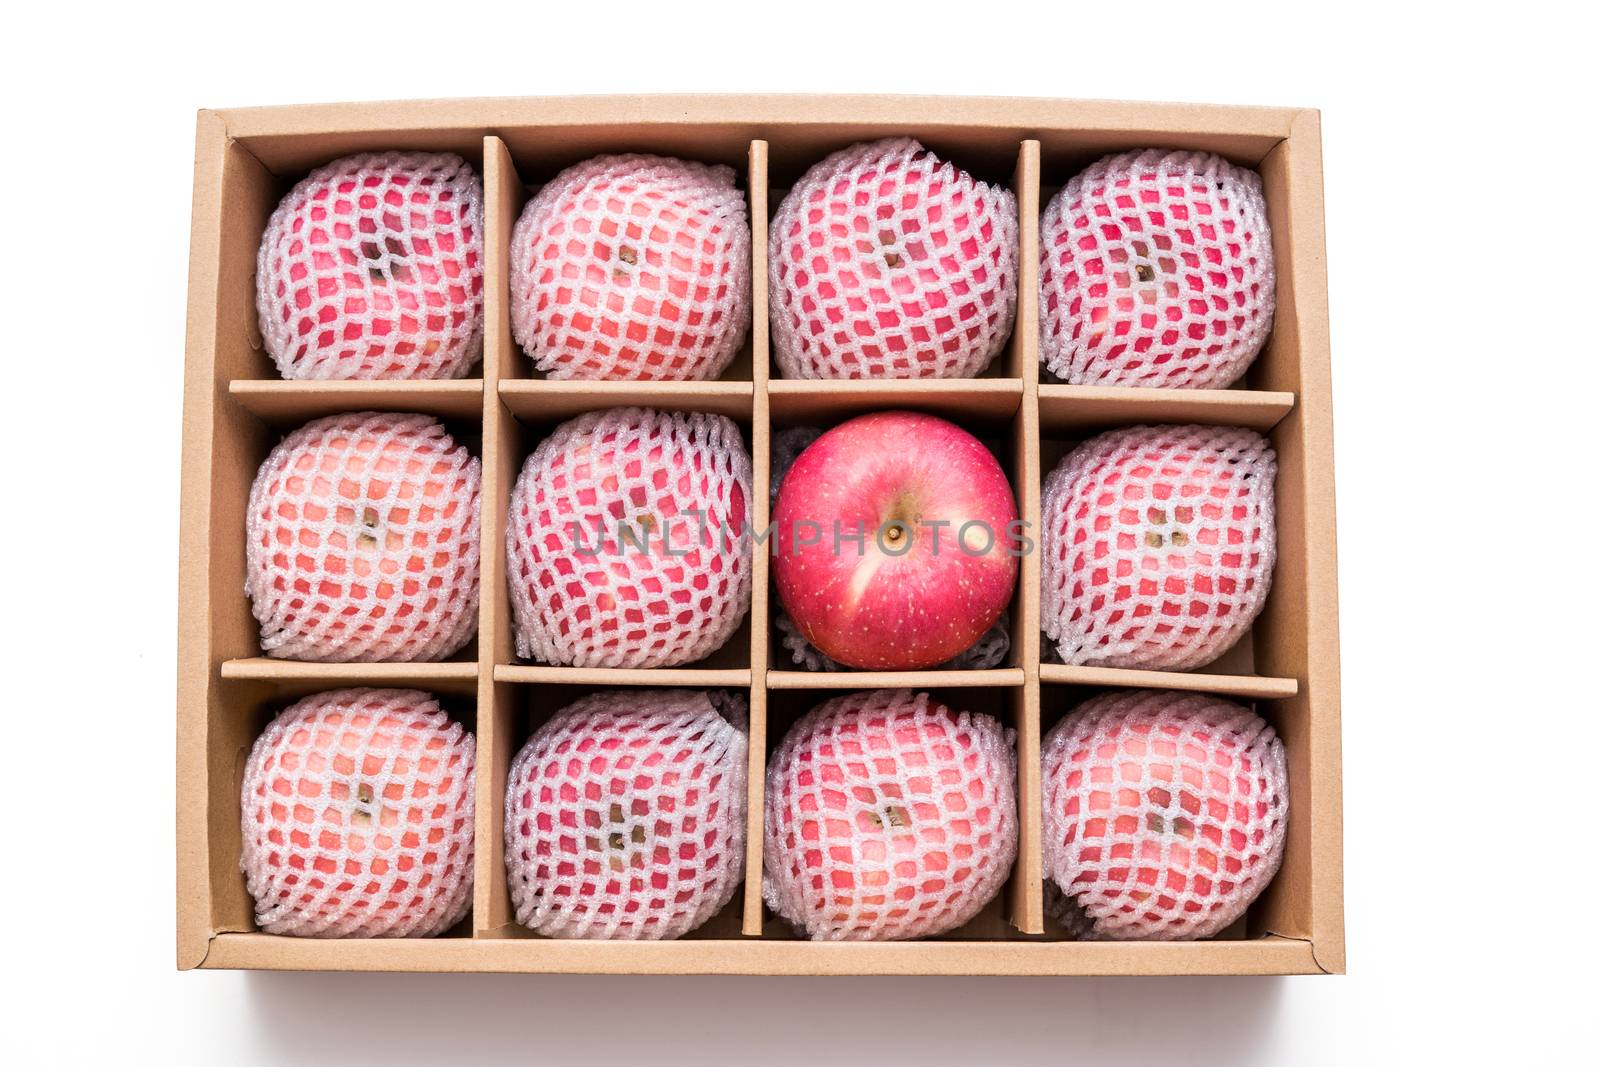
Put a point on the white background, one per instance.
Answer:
(1462, 191)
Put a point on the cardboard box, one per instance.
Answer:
(236, 407)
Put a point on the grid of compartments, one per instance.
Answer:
(1286, 667)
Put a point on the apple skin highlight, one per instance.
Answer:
(894, 541)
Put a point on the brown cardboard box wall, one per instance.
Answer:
(236, 407)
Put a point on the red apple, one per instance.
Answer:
(1164, 814)
(633, 267)
(371, 268)
(889, 816)
(356, 814)
(894, 541)
(625, 815)
(887, 262)
(625, 540)
(1155, 269)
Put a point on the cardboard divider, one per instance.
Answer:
(761, 459)
(532, 398)
(1022, 354)
(1027, 890)
(236, 409)
(999, 677)
(284, 402)
(449, 676)
(502, 457)
(801, 403)
(1242, 685)
(1095, 408)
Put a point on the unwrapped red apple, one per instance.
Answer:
(894, 541)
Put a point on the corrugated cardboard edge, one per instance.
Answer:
(763, 110)
(194, 654)
(1271, 955)
(1316, 400)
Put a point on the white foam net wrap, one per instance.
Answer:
(358, 817)
(887, 263)
(372, 267)
(627, 540)
(989, 651)
(633, 267)
(889, 816)
(625, 815)
(362, 541)
(1158, 545)
(1164, 814)
(1156, 270)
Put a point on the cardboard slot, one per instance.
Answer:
(997, 921)
(539, 158)
(1062, 157)
(1255, 645)
(240, 346)
(1017, 170)
(521, 437)
(1004, 430)
(520, 709)
(1274, 912)
(236, 409)
(241, 711)
(252, 440)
